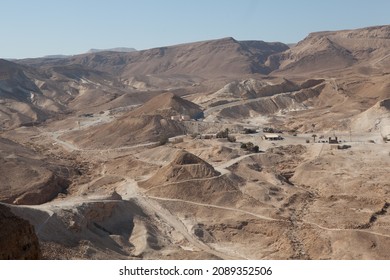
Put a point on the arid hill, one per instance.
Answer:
(126, 131)
(21, 101)
(252, 98)
(377, 118)
(324, 51)
(185, 166)
(190, 178)
(147, 123)
(167, 105)
(223, 57)
(93, 170)
(30, 95)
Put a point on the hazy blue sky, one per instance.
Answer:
(32, 28)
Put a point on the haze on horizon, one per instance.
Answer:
(43, 27)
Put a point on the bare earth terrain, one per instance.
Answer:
(165, 153)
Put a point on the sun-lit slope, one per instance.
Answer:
(330, 50)
(147, 123)
(126, 131)
(21, 101)
(31, 95)
(168, 104)
(377, 118)
(189, 178)
(223, 57)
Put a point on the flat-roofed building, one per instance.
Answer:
(272, 137)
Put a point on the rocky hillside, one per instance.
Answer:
(329, 50)
(126, 131)
(223, 57)
(167, 105)
(28, 178)
(185, 166)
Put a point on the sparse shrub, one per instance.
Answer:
(163, 139)
(231, 138)
(223, 133)
(249, 131)
(343, 147)
(249, 146)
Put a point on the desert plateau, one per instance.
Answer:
(218, 149)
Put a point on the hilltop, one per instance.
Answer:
(167, 105)
(330, 50)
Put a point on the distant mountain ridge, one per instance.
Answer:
(112, 50)
(42, 87)
(214, 58)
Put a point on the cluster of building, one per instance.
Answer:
(180, 118)
(272, 137)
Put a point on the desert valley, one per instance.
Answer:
(218, 149)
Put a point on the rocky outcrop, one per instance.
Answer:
(44, 192)
(18, 240)
(29, 178)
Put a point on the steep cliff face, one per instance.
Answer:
(18, 240)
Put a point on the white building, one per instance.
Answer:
(272, 137)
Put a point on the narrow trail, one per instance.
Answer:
(380, 59)
(72, 147)
(222, 167)
(183, 181)
(298, 222)
(131, 190)
(220, 207)
(178, 225)
(211, 110)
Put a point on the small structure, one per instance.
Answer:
(333, 140)
(207, 136)
(175, 118)
(185, 117)
(272, 137)
(180, 118)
